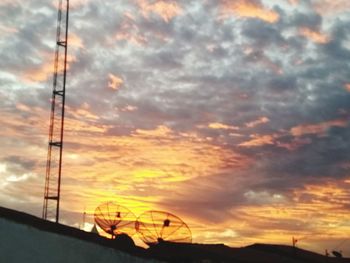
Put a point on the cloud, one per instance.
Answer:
(347, 87)
(83, 112)
(319, 129)
(135, 39)
(218, 125)
(263, 34)
(40, 73)
(8, 2)
(159, 131)
(231, 114)
(78, 4)
(20, 161)
(258, 140)
(257, 122)
(75, 41)
(249, 9)
(5, 30)
(293, 2)
(43, 71)
(115, 82)
(314, 36)
(331, 7)
(167, 10)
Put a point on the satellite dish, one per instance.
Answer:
(115, 219)
(157, 226)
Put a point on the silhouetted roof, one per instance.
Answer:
(44, 225)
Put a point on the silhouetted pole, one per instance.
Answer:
(294, 241)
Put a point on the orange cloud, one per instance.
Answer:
(5, 30)
(160, 131)
(314, 36)
(129, 31)
(44, 71)
(40, 73)
(218, 126)
(132, 38)
(82, 113)
(81, 126)
(258, 140)
(28, 124)
(23, 107)
(312, 213)
(347, 87)
(8, 2)
(75, 41)
(293, 2)
(330, 191)
(115, 82)
(138, 170)
(167, 10)
(261, 120)
(73, 5)
(331, 7)
(129, 108)
(319, 128)
(294, 144)
(248, 8)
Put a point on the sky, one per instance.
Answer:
(231, 114)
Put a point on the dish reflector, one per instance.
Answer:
(115, 219)
(156, 226)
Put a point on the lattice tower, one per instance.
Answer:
(55, 146)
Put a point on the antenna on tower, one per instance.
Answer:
(55, 146)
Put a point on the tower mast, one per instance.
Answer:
(55, 145)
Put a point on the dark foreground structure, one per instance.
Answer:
(25, 238)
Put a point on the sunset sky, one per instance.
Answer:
(231, 114)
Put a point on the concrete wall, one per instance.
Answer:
(23, 243)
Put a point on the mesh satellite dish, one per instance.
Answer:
(156, 226)
(115, 219)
